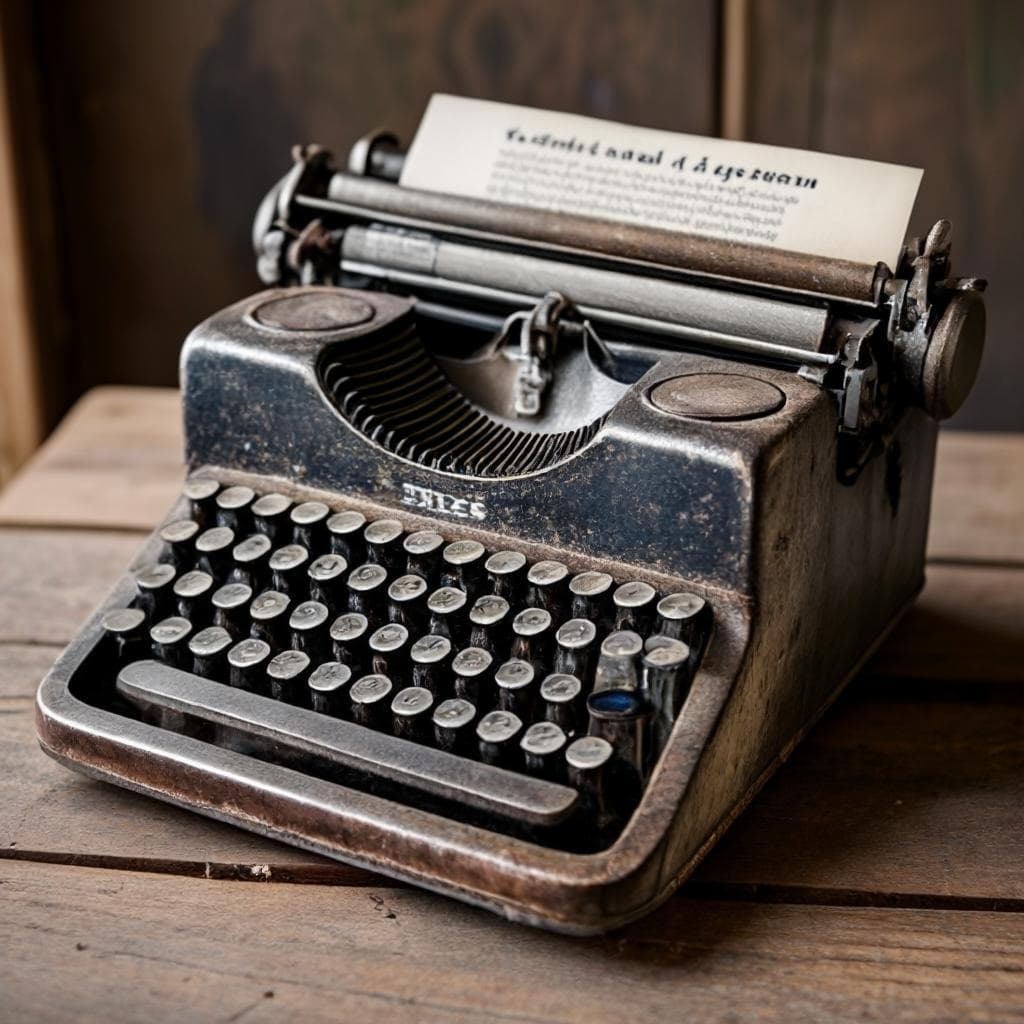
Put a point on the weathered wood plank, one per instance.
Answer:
(125, 947)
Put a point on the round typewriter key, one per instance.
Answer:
(179, 538)
(589, 593)
(384, 543)
(463, 565)
(154, 588)
(309, 524)
(514, 680)
(348, 634)
(233, 509)
(327, 687)
(250, 559)
(406, 601)
(200, 492)
(209, 647)
(470, 667)
(430, 656)
(246, 665)
(367, 589)
(192, 591)
(562, 695)
(621, 717)
(506, 571)
(634, 606)
(229, 607)
(423, 553)
(389, 650)
(576, 648)
(213, 550)
(269, 615)
(453, 724)
(369, 698)
(308, 623)
(126, 628)
(548, 582)
(489, 620)
(345, 530)
(445, 606)
(410, 713)
(169, 640)
(531, 636)
(497, 733)
(327, 580)
(666, 681)
(587, 760)
(270, 517)
(288, 569)
(542, 745)
(682, 617)
(286, 676)
(616, 666)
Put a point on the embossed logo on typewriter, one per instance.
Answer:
(438, 501)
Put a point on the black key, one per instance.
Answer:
(587, 761)
(683, 617)
(349, 634)
(543, 746)
(423, 554)
(621, 717)
(411, 713)
(169, 641)
(345, 530)
(633, 606)
(230, 607)
(209, 652)
(327, 580)
(309, 524)
(369, 700)
(179, 539)
(192, 592)
(445, 606)
(269, 615)
(251, 560)
(470, 667)
(532, 635)
(564, 704)
(514, 680)
(288, 570)
(462, 566)
(154, 589)
(213, 551)
(431, 657)
(497, 735)
(309, 631)
(590, 594)
(126, 631)
(287, 673)
(453, 725)
(367, 590)
(247, 662)
(489, 624)
(576, 650)
(666, 681)
(407, 603)
(383, 539)
(617, 665)
(234, 509)
(389, 651)
(506, 571)
(201, 492)
(327, 685)
(548, 584)
(270, 517)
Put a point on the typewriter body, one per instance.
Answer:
(517, 549)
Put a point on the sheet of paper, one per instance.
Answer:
(766, 195)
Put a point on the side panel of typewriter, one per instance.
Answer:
(803, 574)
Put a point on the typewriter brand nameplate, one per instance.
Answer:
(814, 203)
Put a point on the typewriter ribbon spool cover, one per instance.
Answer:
(582, 465)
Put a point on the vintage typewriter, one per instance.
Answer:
(517, 549)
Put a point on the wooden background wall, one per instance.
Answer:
(161, 125)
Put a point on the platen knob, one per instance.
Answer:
(954, 354)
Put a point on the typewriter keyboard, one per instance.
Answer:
(463, 679)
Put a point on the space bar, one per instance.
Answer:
(353, 747)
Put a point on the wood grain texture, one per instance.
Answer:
(219, 951)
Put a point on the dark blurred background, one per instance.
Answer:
(146, 133)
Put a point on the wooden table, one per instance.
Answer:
(879, 876)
